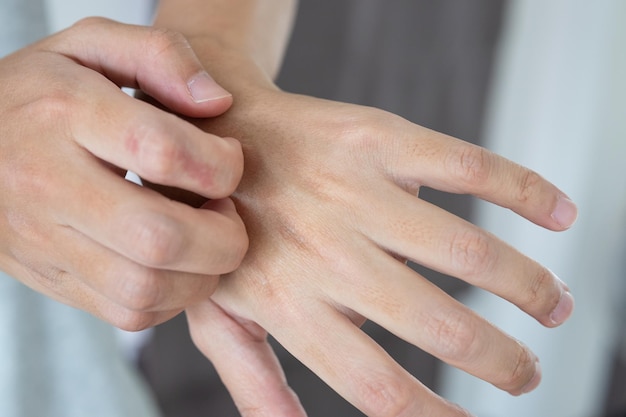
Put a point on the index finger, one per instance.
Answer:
(451, 165)
(158, 146)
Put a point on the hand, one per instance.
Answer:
(329, 199)
(71, 226)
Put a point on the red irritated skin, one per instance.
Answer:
(71, 227)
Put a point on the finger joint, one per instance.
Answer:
(386, 397)
(453, 334)
(155, 240)
(163, 40)
(470, 164)
(472, 252)
(521, 372)
(157, 154)
(528, 185)
(141, 292)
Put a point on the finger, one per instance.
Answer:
(124, 282)
(245, 362)
(456, 166)
(434, 238)
(42, 273)
(355, 366)
(156, 145)
(159, 62)
(149, 229)
(397, 298)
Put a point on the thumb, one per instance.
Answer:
(159, 62)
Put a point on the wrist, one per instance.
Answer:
(255, 30)
(233, 68)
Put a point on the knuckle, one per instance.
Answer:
(528, 185)
(235, 249)
(537, 289)
(53, 106)
(385, 396)
(141, 292)
(364, 134)
(472, 252)
(157, 154)
(133, 321)
(26, 179)
(162, 40)
(230, 169)
(155, 240)
(239, 244)
(88, 23)
(226, 247)
(470, 164)
(523, 369)
(237, 254)
(222, 176)
(454, 334)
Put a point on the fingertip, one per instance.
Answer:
(561, 304)
(237, 167)
(236, 239)
(227, 169)
(202, 88)
(565, 212)
(534, 381)
(207, 95)
(563, 309)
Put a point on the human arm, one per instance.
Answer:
(71, 227)
(297, 135)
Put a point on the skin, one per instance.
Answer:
(329, 199)
(72, 227)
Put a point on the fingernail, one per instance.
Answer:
(535, 380)
(565, 212)
(204, 88)
(564, 308)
